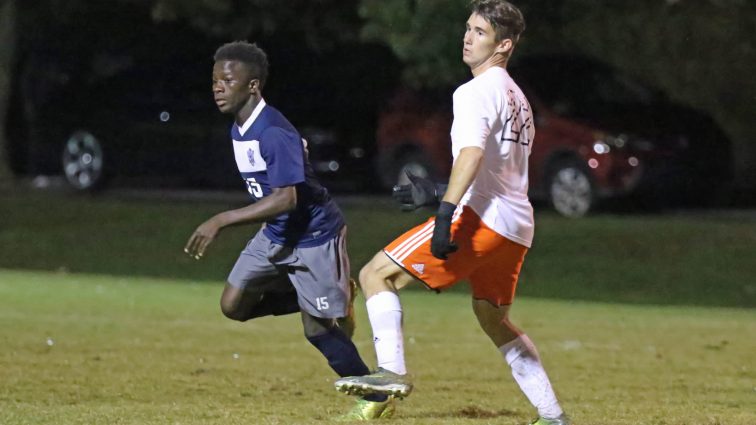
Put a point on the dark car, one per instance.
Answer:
(133, 105)
(599, 135)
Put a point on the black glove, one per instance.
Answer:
(441, 243)
(419, 192)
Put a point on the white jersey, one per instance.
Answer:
(492, 113)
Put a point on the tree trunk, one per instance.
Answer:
(7, 47)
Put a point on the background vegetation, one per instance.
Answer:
(702, 53)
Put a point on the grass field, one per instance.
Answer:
(640, 319)
(91, 349)
(685, 259)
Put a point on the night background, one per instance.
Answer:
(336, 64)
(640, 287)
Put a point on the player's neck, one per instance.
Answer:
(495, 60)
(246, 111)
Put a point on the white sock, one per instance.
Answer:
(385, 313)
(522, 357)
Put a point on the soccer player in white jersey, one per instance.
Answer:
(484, 224)
(297, 261)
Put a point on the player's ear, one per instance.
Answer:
(254, 85)
(504, 46)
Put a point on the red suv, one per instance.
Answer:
(599, 135)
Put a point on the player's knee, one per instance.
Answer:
(369, 276)
(229, 302)
(364, 275)
(232, 311)
(229, 312)
(375, 278)
(315, 326)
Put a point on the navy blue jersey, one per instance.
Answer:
(269, 154)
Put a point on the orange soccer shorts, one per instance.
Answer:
(488, 260)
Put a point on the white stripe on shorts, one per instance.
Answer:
(403, 250)
(411, 243)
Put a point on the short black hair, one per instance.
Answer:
(248, 54)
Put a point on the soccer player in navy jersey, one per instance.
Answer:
(298, 259)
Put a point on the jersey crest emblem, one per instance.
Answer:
(251, 156)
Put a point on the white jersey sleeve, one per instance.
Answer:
(473, 115)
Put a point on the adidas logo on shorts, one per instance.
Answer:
(418, 268)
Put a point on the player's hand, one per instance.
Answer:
(403, 195)
(201, 238)
(441, 243)
(419, 192)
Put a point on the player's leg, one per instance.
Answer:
(381, 274)
(406, 259)
(403, 261)
(521, 355)
(348, 324)
(340, 352)
(380, 279)
(321, 276)
(342, 356)
(493, 288)
(255, 286)
(271, 296)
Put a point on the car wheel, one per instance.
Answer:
(570, 189)
(83, 161)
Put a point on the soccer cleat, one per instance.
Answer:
(347, 323)
(366, 410)
(561, 420)
(381, 382)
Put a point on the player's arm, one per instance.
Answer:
(463, 173)
(283, 151)
(473, 113)
(281, 200)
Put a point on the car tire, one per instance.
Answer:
(83, 161)
(570, 189)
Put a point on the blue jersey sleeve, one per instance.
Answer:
(283, 153)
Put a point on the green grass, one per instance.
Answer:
(94, 349)
(695, 259)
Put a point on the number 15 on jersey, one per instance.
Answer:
(254, 188)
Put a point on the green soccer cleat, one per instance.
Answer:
(381, 382)
(366, 410)
(347, 323)
(561, 420)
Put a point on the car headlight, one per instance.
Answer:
(601, 148)
(604, 143)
